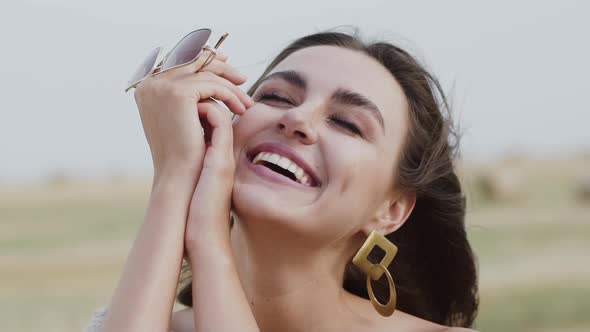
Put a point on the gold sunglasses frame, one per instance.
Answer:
(157, 66)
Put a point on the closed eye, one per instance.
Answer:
(348, 125)
(272, 96)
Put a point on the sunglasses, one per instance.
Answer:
(186, 51)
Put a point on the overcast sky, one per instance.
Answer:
(518, 70)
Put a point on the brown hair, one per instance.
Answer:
(434, 270)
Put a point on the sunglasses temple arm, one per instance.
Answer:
(209, 59)
(221, 40)
(213, 50)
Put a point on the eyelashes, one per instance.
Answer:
(273, 96)
(350, 126)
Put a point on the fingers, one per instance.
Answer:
(217, 80)
(218, 66)
(244, 97)
(200, 79)
(221, 56)
(225, 70)
(190, 67)
(208, 89)
(219, 155)
(203, 107)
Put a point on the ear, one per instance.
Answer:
(392, 214)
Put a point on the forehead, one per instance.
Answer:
(327, 68)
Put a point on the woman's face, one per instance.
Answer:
(341, 117)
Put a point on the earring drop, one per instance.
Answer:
(375, 271)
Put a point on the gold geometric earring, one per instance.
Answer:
(375, 271)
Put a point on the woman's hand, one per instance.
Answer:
(170, 106)
(219, 301)
(209, 210)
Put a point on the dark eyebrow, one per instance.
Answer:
(347, 97)
(341, 95)
(291, 76)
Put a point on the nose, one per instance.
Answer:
(299, 123)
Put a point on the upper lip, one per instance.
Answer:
(285, 151)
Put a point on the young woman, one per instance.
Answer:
(341, 141)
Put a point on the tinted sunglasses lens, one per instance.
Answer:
(187, 49)
(146, 67)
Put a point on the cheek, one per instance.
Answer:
(247, 126)
(350, 196)
(359, 182)
(352, 170)
(351, 175)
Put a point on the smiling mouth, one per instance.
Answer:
(278, 169)
(283, 169)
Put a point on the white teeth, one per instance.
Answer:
(274, 158)
(305, 180)
(285, 163)
(292, 168)
(257, 158)
(299, 172)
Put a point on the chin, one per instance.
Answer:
(254, 204)
(259, 198)
(266, 214)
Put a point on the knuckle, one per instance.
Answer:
(224, 92)
(217, 77)
(224, 68)
(234, 89)
(229, 90)
(206, 75)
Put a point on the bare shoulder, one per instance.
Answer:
(182, 321)
(405, 322)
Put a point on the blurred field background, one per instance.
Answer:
(516, 73)
(63, 244)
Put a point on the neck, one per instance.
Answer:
(290, 285)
